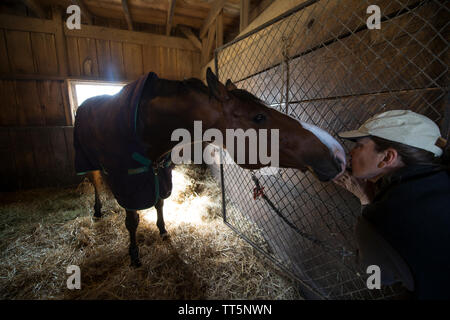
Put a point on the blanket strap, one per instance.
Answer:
(147, 163)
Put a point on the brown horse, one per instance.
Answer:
(163, 106)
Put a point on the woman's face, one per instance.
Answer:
(365, 159)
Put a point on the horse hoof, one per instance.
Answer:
(164, 235)
(135, 264)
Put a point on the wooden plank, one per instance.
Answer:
(61, 48)
(126, 36)
(7, 163)
(117, 62)
(184, 64)
(8, 107)
(68, 135)
(127, 14)
(170, 13)
(168, 63)
(43, 153)
(394, 61)
(196, 65)
(133, 63)
(216, 7)
(28, 104)
(17, 23)
(87, 50)
(104, 59)
(20, 52)
(60, 153)
(151, 59)
(24, 157)
(191, 36)
(4, 66)
(73, 56)
(52, 102)
(68, 112)
(44, 53)
(244, 14)
(315, 25)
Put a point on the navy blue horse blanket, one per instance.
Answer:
(105, 138)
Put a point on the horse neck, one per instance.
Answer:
(175, 107)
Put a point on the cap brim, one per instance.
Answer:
(352, 135)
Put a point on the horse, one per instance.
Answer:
(130, 133)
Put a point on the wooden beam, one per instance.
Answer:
(208, 44)
(191, 36)
(245, 12)
(216, 7)
(35, 7)
(170, 12)
(84, 11)
(219, 29)
(60, 41)
(11, 22)
(127, 14)
(104, 33)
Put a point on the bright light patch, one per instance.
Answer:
(86, 91)
(178, 209)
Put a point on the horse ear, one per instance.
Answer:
(230, 85)
(215, 87)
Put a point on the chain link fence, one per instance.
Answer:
(321, 64)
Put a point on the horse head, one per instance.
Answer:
(301, 146)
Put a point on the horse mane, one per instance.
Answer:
(176, 87)
(246, 96)
(195, 84)
(198, 85)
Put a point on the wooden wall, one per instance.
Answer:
(37, 57)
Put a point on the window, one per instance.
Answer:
(79, 91)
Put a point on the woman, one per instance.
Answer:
(400, 174)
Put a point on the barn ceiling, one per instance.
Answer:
(161, 16)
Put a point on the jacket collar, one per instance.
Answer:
(406, 173)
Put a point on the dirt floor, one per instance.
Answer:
(44, 231)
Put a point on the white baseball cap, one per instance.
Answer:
(403, 126)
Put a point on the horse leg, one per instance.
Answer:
(95, 178)
(132, 222)
(160, 221)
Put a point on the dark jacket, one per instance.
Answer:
(411, 211)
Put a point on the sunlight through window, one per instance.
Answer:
(86, 91)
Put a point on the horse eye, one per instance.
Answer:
(259, 118)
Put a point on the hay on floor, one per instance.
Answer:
(44, 231)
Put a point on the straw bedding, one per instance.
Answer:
(44, 231)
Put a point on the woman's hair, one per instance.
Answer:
(412, 155)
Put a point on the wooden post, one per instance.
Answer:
(245, 11)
